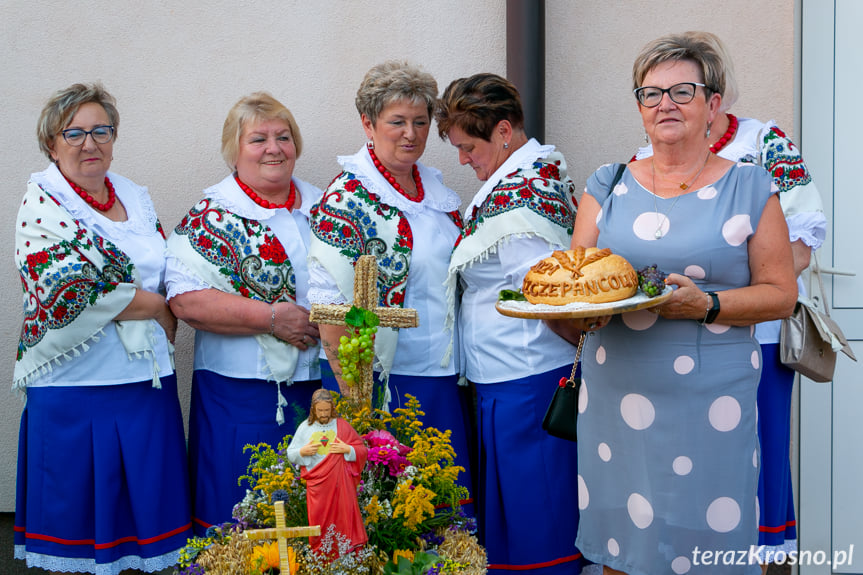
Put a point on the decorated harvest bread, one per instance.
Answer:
(586, 275)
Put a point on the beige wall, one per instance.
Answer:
(591, 113)
(176, 68)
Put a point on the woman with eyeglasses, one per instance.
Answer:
(668, 446)
(102, 481)
(763, 143)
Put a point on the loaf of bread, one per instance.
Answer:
(587, 275)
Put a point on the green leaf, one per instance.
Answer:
(371, 318)
(511, 295)
(355, 316)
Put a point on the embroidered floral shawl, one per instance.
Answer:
(75, 282)
(223, 242)
(530, 194)
(359, 214)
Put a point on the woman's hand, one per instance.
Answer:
(167, 320)
(687, 301)
(570, 329)
(150, 305)
(292, 326)
(219, 312)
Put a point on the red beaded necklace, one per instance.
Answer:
(392, 180)
(292, 195)
(727, 136)
(112, 196)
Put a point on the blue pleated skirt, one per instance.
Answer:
(527, 500)
(776, 524)
(102, 479)
(227, 414)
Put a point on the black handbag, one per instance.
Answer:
(561, 416)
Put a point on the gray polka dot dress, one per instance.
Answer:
(668, 449)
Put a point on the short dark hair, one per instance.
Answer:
(477, 104)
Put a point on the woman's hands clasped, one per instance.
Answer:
(292, 326)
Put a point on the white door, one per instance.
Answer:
(831, 415)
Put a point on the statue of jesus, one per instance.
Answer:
(331, 456)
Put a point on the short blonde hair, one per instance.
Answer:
(254, 108)
(393, 81)
(699, 48)
(62, 107)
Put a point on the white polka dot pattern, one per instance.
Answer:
(695, 272)
(640, 510)
(685, 393)
(682, 465)
(604, 452)
(583, 494)
(582, 397)
(683, 365)
(724, 413)
(639, 320)
(723, 514)
(737, 229)
(681, 565)
(647, 224)
(637, 411)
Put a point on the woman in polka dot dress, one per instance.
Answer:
(668, 450)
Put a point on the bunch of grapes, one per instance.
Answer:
(357, 346)
(651, 280)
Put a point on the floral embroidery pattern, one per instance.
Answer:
(784, 162)
(245, 251)
(353, 220)
(546, 195)
(60, 280)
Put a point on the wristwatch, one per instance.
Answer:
(713, 310)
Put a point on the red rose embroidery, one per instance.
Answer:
(70, 295)
(59, 313)
(550, 171)
(244, 291)
(501, 200)
(397, 298)
(346, 231)
(351, 185)
(205, 242)
(326, 226)
(524, 192)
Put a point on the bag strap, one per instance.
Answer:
(617, 176)
(571, 380)
(816, 271)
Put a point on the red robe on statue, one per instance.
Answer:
(331, 490)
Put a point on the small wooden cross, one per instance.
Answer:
(282, 533)
(366, 297)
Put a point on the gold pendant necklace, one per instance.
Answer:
(684, 185)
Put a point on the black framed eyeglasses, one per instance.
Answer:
(682, 93)
(100, 134)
